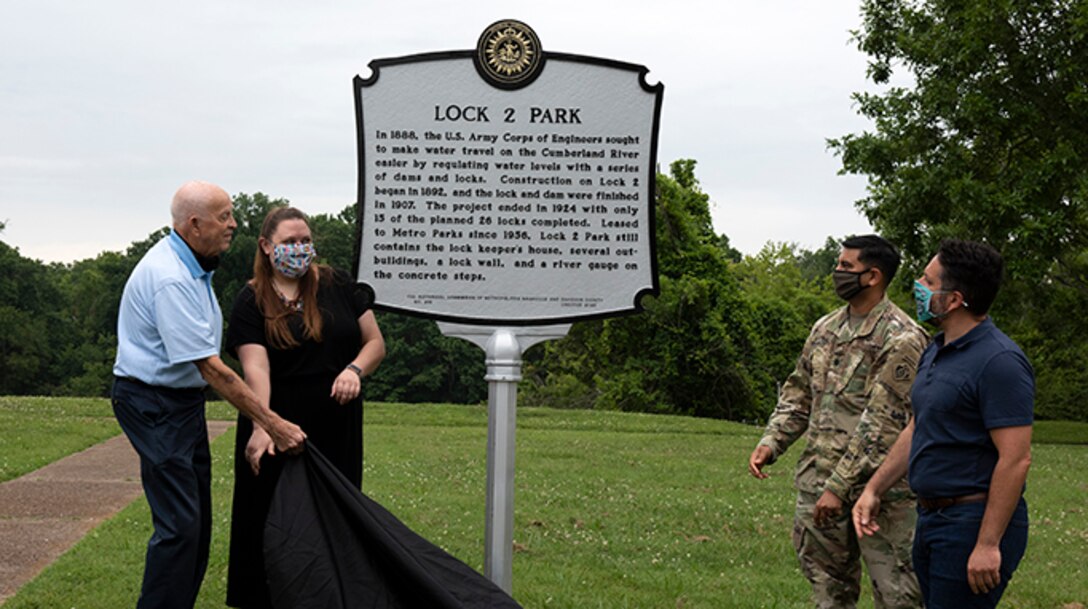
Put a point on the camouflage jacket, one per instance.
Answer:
(850, 392)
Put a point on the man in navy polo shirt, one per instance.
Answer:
(168, 334)
(968, 447)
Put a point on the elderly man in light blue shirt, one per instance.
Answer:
(169, 330)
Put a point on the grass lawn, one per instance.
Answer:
(34, 432)
(612, 509)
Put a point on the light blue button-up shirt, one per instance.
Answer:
(169, 318)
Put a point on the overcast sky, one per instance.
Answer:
(107, 107)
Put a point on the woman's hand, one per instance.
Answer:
(260, 444)
(346, 387)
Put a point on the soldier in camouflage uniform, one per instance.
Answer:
(850, 393)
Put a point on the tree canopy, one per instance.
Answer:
(989, 142)
(713, 343)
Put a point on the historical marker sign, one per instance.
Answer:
(507, 185)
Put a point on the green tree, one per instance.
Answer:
(92, 297)
(32, 329)
(818, 264)
(784, 302)
(989, 143)
(691, 351)
(422, 365)
(335, 236)
(24, 352)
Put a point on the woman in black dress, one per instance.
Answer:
(305, 337)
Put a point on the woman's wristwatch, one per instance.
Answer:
(357, 370)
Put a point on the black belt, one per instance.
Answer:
(134, 381)
(937, 503)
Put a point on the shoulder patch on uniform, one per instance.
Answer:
(902, 373)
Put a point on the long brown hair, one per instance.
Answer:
(269, 303)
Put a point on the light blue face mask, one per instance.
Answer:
(922, 298)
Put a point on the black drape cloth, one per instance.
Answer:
(328, 546)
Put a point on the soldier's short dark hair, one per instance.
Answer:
(972, 269)
(875, 251)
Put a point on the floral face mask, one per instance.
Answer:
(293, 259)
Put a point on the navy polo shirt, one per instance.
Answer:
(980, 381)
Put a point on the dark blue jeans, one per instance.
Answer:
(168, 430)
(943, 542)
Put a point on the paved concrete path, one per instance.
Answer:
(47, 511)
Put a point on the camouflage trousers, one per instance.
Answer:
(829, 556)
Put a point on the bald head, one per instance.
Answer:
(194, 199)
(203, 215)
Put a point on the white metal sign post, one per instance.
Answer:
(503, 348)
(508, 192)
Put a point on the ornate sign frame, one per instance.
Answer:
(507, 185)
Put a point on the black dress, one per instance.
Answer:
(301, 380)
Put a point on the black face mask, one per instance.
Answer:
(848, 283)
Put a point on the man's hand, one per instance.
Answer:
(288, 437)
(865, 512)
(760, 457)
(984, 569)
(259, 445)
(828, 507)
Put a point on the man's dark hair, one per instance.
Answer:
(972, 269)
(875, 251)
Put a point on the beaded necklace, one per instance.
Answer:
(291, 305)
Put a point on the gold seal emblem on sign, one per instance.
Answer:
(508, 54)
